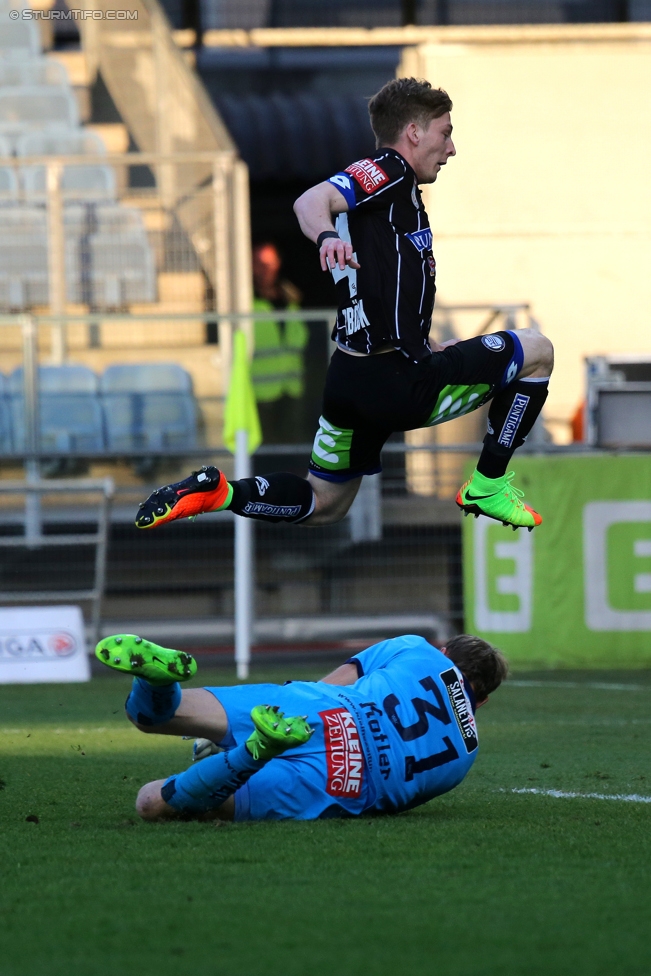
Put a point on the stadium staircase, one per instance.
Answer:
(137, 239)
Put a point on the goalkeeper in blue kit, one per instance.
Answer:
(390, 729)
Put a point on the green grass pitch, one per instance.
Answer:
(482, 881)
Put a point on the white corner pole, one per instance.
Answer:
(243, 566)
(241, 295)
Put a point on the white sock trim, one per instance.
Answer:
(312, 507)
(535, 379)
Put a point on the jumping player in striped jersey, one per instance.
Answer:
(370, 226)
(390, 729)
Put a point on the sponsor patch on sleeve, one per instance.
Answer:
(368, 174)
(461, 709)
(343, 753)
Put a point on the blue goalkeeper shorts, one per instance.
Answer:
(326, 777)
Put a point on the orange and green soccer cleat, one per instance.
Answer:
(206, 490)
(144, 659)
(274, 733)
(496, 498)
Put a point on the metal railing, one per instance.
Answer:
(97, 339)
(35, 540)
(393, 564)
(183, 219)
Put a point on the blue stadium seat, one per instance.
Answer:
(6, 444)
(149, 407)
(70, 411)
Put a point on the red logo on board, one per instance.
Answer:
(343, 753)
(62, 644)
(368, 174)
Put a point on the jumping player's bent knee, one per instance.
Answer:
(332, 500)
(327, 514)
(538, 353)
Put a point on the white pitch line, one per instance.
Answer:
(601, 685)
(562, 795)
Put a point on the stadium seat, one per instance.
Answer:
(20, 40)
(69, 409)
(83, 182)
(8, 184)
(23, 258)
(146, 378)
(5, 147)
(107, 218)
(117, 219)
(39, 71)
(27, 107)
(149, 407)
(105, 270)
(6, 444)
(71, 143)
(120, 268)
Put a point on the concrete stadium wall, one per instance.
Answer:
(549, 197)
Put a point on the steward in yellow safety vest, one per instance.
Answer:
(277, 368)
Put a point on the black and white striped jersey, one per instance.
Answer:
(389, 300)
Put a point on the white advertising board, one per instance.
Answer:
(42, 644)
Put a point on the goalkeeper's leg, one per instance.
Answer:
(157, 703)
(203, 789)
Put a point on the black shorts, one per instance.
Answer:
(366, 399)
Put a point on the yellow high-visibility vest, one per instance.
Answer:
(277, 366)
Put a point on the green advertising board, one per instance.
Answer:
(576, 590)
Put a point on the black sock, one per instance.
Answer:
(512, 414)
(273, 498)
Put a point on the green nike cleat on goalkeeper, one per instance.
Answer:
(496, 498)
(144, 659)
(275, 734)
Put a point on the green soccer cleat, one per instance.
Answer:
(144, 659)
(274, 733)
(496, 498)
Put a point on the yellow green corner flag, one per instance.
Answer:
(241, 410)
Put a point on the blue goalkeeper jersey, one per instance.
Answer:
(403, 733)
(415, 715)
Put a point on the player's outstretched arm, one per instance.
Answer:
(315, 210)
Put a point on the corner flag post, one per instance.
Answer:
(243, 566)
(242, 436)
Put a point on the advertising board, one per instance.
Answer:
(42, 644)
(576, 590)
